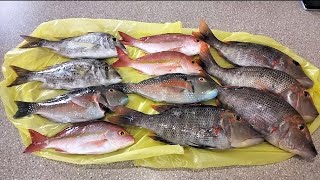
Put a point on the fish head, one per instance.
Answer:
(114, 98)
(204, 87)
(294, 136)
(119, 137)
(112, 76)
(117, 43)
(294, 69)
(301, 100)
(193, 67)
(241, 133)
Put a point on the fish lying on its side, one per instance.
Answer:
(166, 62)
(250, 54)
(263, 78)
(198, 126)
(173, 88)
(97, 137)
(183, 43)
(76, 106)
(78, 73)
(93, 45)
(278, 121)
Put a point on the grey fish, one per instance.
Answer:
(76, 106)
(199, 126)
(173, 88)
(94, 45)
(263, 78)
(278, 121)
(78, 73)
(250, 54)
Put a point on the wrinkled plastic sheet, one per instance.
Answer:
(146, 152)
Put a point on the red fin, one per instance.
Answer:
(97, 143)
(126, 39)
(38, 142)
(180, 84)
(123, 61)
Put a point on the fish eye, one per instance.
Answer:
(192, 62)
(306, 94)
(121, 133)
(301, 127)
(296, 63)
(238, 118)
(197, 40)
(111, 90)
(201, 79)
(114, 39)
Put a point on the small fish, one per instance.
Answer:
(272, 116)
(76, 106)
(198, 126)
(183, 43)
(78, 73)
(263, 78)
(96, 137)
(173, 88)
(250, 54)
(166, 62)
(93, 45)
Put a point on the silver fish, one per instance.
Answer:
(79, 73)
(95, 45)
(76, 106)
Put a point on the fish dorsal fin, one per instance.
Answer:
(162, 108)
(158, 138)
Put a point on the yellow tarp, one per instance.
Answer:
(146, 152)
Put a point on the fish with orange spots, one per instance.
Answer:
(96, 137)
(199, 126)
(166, 62)
(76, 106)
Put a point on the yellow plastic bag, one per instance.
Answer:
(40, 58)
(256, 155)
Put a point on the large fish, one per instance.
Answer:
(78, 73)
(76, 106)
(183, 43)
(199, 126)
(273, 117)
(263, 78)
(173, 88)
(94, 45)
(250, 54)
(166, 62)
(97, 137)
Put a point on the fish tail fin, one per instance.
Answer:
(32, 41)
(23, 76)
(126, 39)
(206, 60)
(24, 109)
(38, 142)
(123, 61)
(125, 116)
(124, 87)
(206, 34)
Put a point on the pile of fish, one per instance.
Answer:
(263, 97)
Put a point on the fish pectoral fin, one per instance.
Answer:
(179, 85)
(96, 143)
(158, 138)
(83, 101)
(195, 145)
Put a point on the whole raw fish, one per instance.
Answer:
(78, 73)
(173, 88)
(263, 78)
(199, 126)
(278, 121)
(166, 62)
(96, 137)
(250, 54)
(94, 45)
(76, 106)
(183, 43)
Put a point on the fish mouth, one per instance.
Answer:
(305, 82)
(212, 94)
(121, 46)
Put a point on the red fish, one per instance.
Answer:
(166, 62)
(183, 43)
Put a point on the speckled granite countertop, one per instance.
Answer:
(286, 22)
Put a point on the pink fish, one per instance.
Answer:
(96, 137)
(160, 63)
(183, 43)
